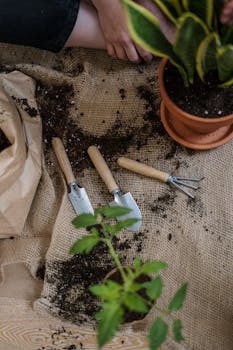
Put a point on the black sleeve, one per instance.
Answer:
(46, 24)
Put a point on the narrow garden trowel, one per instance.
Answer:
(123, 200)
(77, 194)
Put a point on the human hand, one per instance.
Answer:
(227, 13)
(113, 22)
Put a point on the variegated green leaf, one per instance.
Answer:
(190, 33)
(169, 8)
(225, 64)
(145, 31)
(227, 35)
(204, 9)
(218, 6)
(206, 59)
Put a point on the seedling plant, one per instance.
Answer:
(120, 298)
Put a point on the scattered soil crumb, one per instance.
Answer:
(40, 273)
(4, 142)
(23, 103)
(139, 239)
(151, 105)
(122, 93)
(172, 152)
(196, 206)
(60, 336)
(163, 202)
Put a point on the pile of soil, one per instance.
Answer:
(4, 142)
(205, 100)
(55, 103)
(71, 280)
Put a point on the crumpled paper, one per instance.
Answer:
(20, 163)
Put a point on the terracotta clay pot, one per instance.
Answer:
(189, 130)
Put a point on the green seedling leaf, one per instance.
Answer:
(137, 262)
(109, 320)
(135, 303)
(130, 272)
(108, 291)
(177, 328)
(153, 266)
(124, 224)
(154, 288)
(114, 229)
(84, 220)
(135, 287)
(94, 232)
(113, 212)
(84, 245)
(157, 333)
(177, 301)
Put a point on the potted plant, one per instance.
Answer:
(196, 72)
(132, 292)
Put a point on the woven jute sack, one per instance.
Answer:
(193, 237)
(20, 163)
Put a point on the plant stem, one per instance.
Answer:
(164, 312)
(116, 259)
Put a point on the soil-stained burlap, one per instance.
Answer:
(193, 237)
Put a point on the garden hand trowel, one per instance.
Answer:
(77, 194)
(123, 200)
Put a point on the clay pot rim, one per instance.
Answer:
(177, 109)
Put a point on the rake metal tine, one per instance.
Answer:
(188, 179)
(181, 189)
(185, 184)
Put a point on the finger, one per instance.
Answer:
(132, 53)
(120, 52)
(145, 55)
(227, 13)
(110, 49)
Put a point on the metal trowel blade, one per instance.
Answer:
(126, 200)
(79, 199)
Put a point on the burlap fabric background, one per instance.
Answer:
(194, 238)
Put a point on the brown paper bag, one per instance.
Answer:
(20, 163)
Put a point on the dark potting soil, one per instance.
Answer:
(55, 104)
(71, 280)
(163, 202)
(4, 142)
(61, 335)
(130, 315)
(204, 100)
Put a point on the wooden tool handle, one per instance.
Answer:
(63, 160)
(142, 169)
(102, 168)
